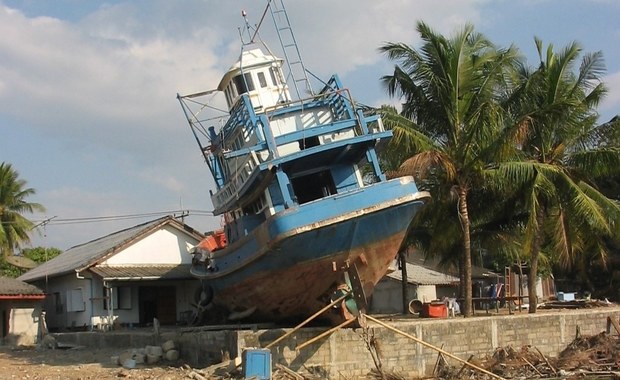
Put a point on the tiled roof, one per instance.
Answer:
(84, 255)
(13, 287)
(143, 272)
(417, 274)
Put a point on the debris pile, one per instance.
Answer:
(576, 304)
(585, 356)
(149, 355)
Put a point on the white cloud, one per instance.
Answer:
(611, 104)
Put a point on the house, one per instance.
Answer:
(423, 284)
(126, 278)
(21, 306)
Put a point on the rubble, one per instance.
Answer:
(148, 355)
(597, 355)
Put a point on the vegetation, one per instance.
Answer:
(512, 156)
(560, 155)
(39, 255)
(449, 121)
(14, 226)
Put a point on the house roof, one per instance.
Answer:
(83, 256)
(143, 272)
(417, 258)
(417, 274)
(11, 288)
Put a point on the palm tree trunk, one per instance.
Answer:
(466, 259)
(532, 277)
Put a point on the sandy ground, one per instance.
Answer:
(77, 363)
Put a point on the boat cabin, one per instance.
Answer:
(260, 76)
(275, 152)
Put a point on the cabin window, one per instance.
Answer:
(313, 186)
(262, 80)
(308, 142)
(244, 83)
(228, 98)
(274, 75)
(231, 91)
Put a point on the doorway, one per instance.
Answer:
(157, 302)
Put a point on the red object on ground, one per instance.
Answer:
(434, 310)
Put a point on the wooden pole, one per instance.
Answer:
(394, 329)
(325, 333)
(310, 318)
(404, 281)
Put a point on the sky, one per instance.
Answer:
(88, 109)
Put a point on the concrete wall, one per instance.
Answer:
(23, 319)
(344, 352)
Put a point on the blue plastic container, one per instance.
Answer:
(256, 362)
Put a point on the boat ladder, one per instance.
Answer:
(296, 70)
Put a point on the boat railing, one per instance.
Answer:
(242, 115)
(230, 190)
(337, 101)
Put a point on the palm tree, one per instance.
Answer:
(450, 119)
(14, 227)
(562, 152)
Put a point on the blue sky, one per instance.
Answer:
(88, 114)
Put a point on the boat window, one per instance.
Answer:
(244, 83)
(308, 142)
(227, 93)
(272, 72)
(261, 79)
(231, 89)
(313, 186)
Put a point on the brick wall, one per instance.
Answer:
(344, 354)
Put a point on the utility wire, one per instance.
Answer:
(97, 219)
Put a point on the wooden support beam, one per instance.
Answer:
(394, 329)
(325, 333)
(308, 320)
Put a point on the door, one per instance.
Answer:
(158, 302)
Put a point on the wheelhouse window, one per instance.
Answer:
(244, 83)
(274, 75)
(261, 79)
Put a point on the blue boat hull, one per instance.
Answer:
(289, 266)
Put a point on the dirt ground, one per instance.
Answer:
(77, 363)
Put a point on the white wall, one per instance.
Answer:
(165, 246)
(23, 321)
(427, 293)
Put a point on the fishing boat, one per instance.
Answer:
(308, 215)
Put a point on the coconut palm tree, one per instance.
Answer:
(14, 226)
(450, 119)
(563, 151)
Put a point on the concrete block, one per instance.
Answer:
(124, 356)
(168, 345)
(172, 355)
(154, 351)
(152, 359)
(129, 364)
(139, 358)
